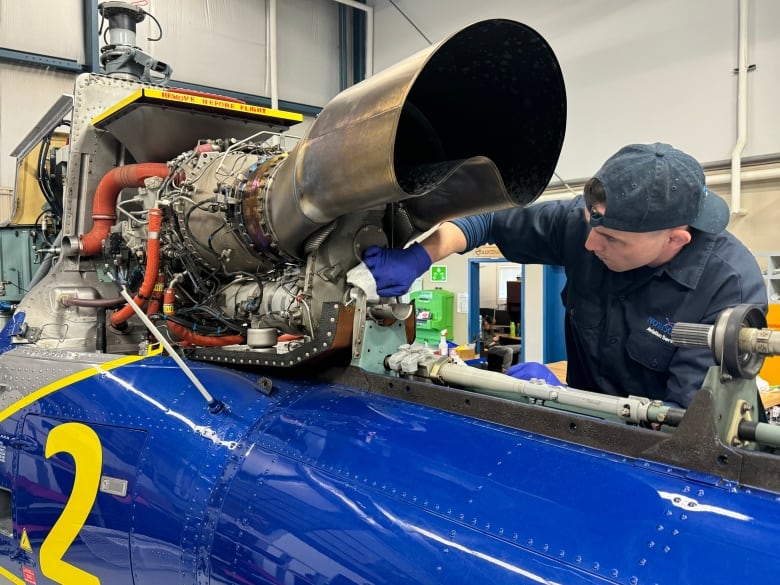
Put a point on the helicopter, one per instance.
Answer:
(191, 391)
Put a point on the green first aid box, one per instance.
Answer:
(434, 314)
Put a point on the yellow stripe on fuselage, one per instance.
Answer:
(11, 577)
(154, 349)
(73, 378)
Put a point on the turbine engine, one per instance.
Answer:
(232, 237)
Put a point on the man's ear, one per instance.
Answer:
(680, 237)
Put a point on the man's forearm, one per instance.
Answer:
(446, 240)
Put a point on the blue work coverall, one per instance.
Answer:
(618, 325)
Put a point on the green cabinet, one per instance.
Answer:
(434, 314)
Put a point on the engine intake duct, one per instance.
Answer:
(472, 124)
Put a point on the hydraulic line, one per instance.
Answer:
(185, 334)
(106, 194)
(119, 318)
(92, 303)
(100, 305)
(215, 406)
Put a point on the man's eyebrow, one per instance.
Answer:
(612, 236)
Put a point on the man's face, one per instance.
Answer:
(622, 251)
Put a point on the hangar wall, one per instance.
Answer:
(216, 43)
(638, 72)
(635, 72)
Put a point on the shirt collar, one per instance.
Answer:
(688, 266)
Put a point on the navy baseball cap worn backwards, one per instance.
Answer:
(652, 187)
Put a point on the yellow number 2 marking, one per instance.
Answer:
(83, 445)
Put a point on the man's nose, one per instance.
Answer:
(593, 242)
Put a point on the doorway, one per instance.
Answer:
(541, 309)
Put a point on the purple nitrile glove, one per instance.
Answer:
(394, 269)
(533, 370)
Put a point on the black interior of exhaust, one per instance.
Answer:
(494, 89)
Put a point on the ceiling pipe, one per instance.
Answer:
(272, 62)
(742, 70)
(272, 44)
(715, 178)
(369, 10)
(343, 44)
(746, 175)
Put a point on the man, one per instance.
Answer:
(643, 248)
(489, 339)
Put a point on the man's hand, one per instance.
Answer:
(394, 270)
(533, 371)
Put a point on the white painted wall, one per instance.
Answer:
(224, 43)
(635, 71)
(43, 27)
(532, 326)
(217, 43)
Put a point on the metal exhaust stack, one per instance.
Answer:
(472, 124)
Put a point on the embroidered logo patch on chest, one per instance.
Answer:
(660, 328)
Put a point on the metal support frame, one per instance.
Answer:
(37, 60)
(91, 39)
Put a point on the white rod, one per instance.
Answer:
(716, 178)
(369, 42)
(742, 70)
(369, 10)
(168, 347)
(754, 175)
(272, 64)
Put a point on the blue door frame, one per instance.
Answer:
(553, 280)
(475, 324)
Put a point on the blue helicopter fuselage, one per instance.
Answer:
(293, 433)
(120, 474)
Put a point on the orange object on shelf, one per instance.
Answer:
(770, 371)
